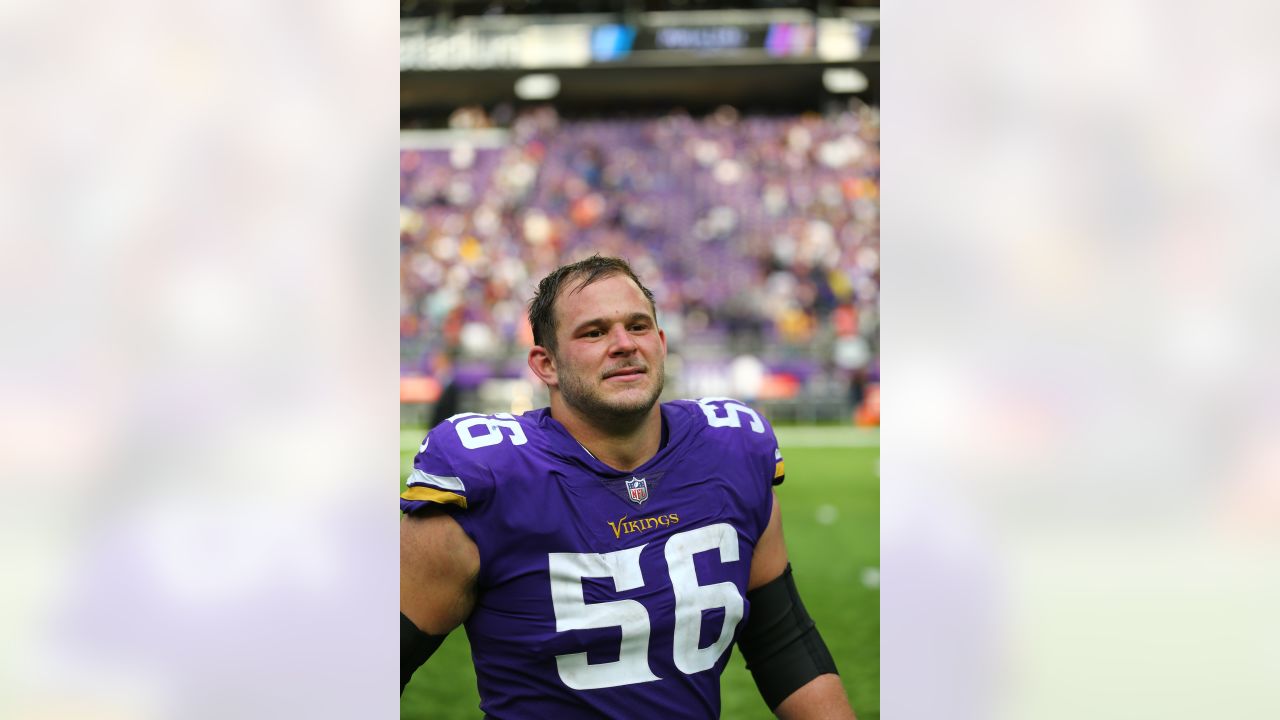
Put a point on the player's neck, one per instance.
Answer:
(620, 445)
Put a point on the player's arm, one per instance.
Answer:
(438, 569)
(784, 652)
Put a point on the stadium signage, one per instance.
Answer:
(468, 49)
(533, 46)
(700, 38)
(622, 44)
(569, 45)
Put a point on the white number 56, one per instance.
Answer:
(623, 566)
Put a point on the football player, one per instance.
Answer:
(604, 553)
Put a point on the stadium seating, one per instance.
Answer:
(758, 234)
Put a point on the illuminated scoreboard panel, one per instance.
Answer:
(620, 43)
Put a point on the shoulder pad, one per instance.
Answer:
(454, 464)
(742, 425)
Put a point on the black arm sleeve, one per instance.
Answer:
(415, 647)
(780, 643)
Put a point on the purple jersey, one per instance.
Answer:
(604, 593)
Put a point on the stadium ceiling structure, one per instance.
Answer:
(744, 86)
(765, 59)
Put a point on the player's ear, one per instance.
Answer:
(543, 364)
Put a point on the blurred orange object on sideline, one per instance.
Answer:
(419, 389)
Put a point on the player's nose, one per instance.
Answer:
(620, 341)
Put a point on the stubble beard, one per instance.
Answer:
(591, 403)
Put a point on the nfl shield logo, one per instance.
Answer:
(637, 490)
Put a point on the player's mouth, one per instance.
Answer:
(624, 374)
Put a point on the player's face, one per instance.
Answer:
(610, 354)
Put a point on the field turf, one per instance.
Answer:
(835, 554)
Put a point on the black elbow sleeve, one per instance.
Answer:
(780, 643)
(415, 647)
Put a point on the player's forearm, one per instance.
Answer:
(438, 569)
(822, 698)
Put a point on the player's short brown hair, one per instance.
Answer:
(542, 317)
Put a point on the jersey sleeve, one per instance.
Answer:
(779, 473)
(747, 435)
(765, 446)
(444, 476)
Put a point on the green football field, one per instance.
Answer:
(830, 514)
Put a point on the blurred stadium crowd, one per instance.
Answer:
(759, 235)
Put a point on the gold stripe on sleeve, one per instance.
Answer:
(427, 494)
(777, 472)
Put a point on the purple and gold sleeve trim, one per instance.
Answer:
(778, 471)
(439, 489)
(421, 493)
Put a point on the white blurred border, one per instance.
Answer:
(1081, 481)
(198, 294)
